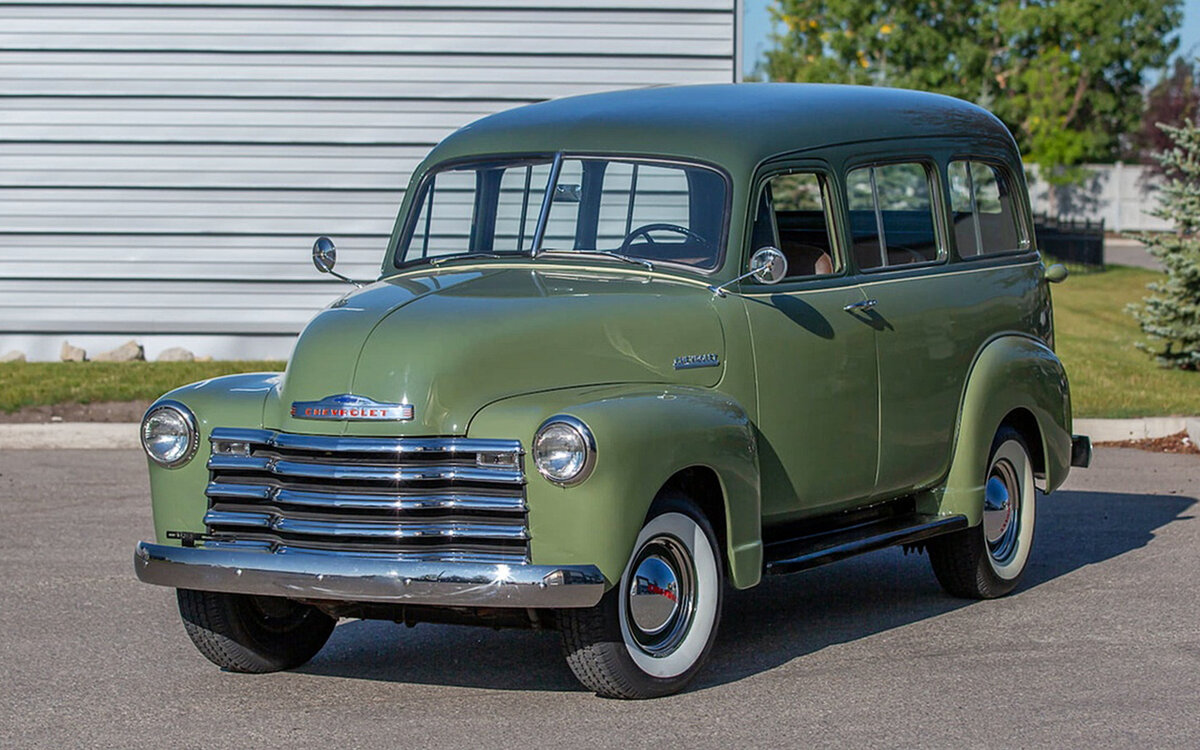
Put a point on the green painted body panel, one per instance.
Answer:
(230, 401)
(932, 325)
(453, 341)
(816, 371)
(643, 437)
(812, 409)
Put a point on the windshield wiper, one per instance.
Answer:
(444, 258)
(604, 253)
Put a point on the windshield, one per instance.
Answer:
(657, 211)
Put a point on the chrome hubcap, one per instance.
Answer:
(1001, 511)
(653, 595)
(661, 596)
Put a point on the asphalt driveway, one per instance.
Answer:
(1099, 648)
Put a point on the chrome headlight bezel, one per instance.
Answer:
(579, 433)
(190, 432)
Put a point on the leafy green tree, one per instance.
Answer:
(1064, 75)
(1170, 316)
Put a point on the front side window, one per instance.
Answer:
(983, 210)
(793, 216)
(670, 213)
(891, 215)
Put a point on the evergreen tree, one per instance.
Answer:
(1170, 316)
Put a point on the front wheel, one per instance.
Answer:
(651, 633)
(987, 560)
(259, 634)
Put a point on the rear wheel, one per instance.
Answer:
(652, 633)
(987, 560)
(245, 633)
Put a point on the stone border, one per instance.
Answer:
(122, 435)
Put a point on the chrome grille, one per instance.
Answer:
(420, 499)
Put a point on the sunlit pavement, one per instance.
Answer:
(1100, 647)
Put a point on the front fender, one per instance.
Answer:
(1011, 372)
(643, 437)
(177, 495)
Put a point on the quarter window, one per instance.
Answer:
(983, 210)
(891, 215)
(793, 216)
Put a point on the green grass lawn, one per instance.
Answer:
(36, 383)
(1095, 339)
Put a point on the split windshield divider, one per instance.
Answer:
(539, 233)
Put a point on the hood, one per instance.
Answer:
(450, 342)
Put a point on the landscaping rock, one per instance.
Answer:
(205, 358)
(130, 351)
(176, 354)
(13, 356)
(72, 353)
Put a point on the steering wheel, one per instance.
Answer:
(645, 230)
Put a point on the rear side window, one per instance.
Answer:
(983, 210)
(891, 215)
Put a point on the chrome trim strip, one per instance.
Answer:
(359, 578)
(277, 522)
(339, 444)
(363, 473)
(353, 501)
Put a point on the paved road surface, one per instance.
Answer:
(1123, 251)
(1100, 648)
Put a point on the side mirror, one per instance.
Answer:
(1056, 274)
(324, 254)
(768, 265)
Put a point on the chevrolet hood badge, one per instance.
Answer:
(350, 407)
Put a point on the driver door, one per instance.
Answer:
(818, 409)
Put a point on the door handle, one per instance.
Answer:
(865, 304)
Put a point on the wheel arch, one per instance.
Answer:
(1017, 380)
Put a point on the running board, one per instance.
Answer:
(802, 553)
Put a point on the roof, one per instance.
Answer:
(735, 125)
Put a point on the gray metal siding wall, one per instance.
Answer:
(164, 167)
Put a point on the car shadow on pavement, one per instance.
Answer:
(782, 619)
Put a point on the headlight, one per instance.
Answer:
(169, 434)
(564, 450)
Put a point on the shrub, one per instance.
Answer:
(1170, 316)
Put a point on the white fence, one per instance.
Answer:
(1123, 195)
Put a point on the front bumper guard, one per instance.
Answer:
(296, 574)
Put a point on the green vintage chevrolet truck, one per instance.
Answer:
(625, 350)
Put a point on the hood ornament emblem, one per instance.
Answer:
(354, 408)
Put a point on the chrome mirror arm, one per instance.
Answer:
(768, 265)
(719, 289)
(324, 255)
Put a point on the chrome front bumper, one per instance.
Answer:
(297, 574)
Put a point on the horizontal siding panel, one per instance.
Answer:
(192, 257)
(124, 120)
(193, 211)
(146, 74)
(165, 166)
(441, 5)
(253, 166)
(401, 31)
(161, 307)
